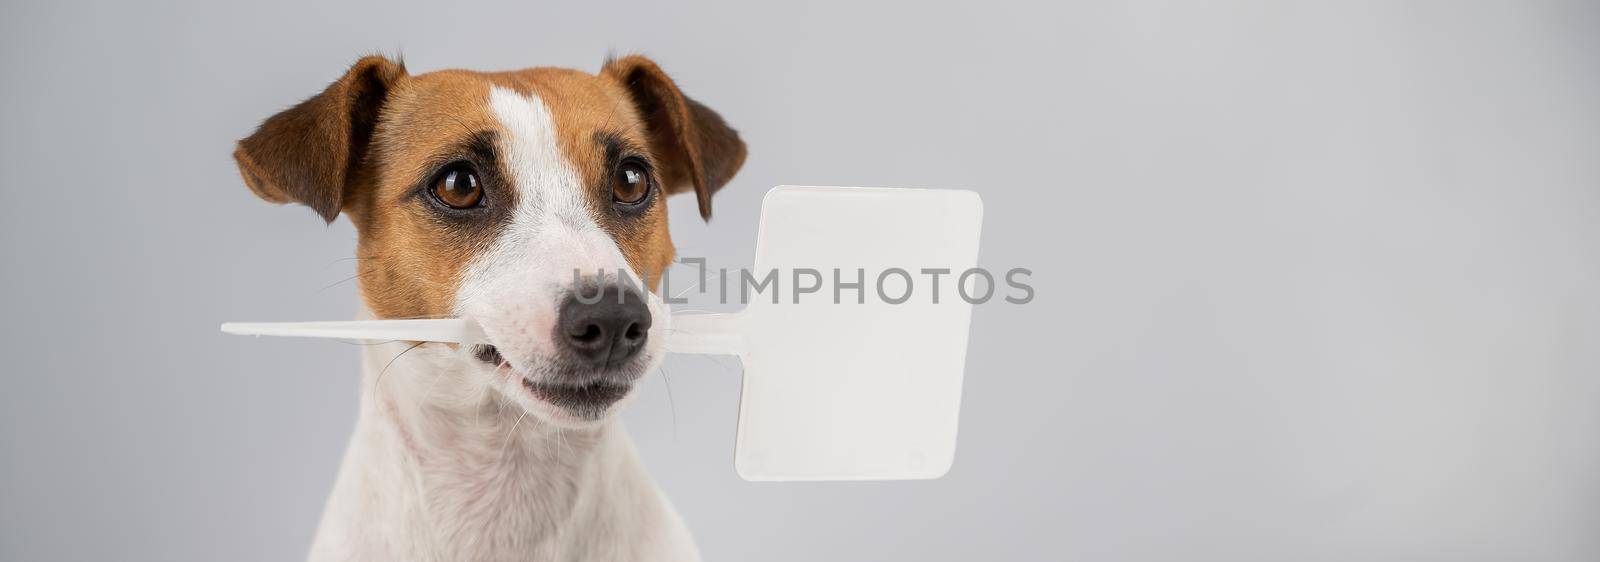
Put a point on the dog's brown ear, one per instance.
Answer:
(699, 149)
(308, 153)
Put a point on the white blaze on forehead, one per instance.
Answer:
(516, 287)
(546, 183)
(553, 219)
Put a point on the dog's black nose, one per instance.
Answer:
(607, 331)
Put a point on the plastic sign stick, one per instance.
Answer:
(857, 379)
(451, 330)
(691, 332)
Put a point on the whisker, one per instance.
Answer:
(369, 271)
(671, 405)
(379, 378)
(507, 444)
(339, 282)
(331, 263)
(613, 113)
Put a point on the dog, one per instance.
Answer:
(534, 203)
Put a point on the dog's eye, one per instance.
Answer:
(631, 183)
(459, 188)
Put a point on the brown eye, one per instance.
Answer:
(459, 188)
(631, 184)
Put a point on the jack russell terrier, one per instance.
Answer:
(533, 202)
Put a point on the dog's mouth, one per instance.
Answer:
(588, 399)
(583, 398)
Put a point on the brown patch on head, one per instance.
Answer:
(377, 139)
(411, 253)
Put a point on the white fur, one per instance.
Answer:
(453, 459)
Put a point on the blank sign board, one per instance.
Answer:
(853, 364)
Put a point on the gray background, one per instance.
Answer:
(1314, 282)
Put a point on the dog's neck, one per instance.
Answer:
(440, 468)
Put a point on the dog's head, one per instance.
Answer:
(533, 202)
